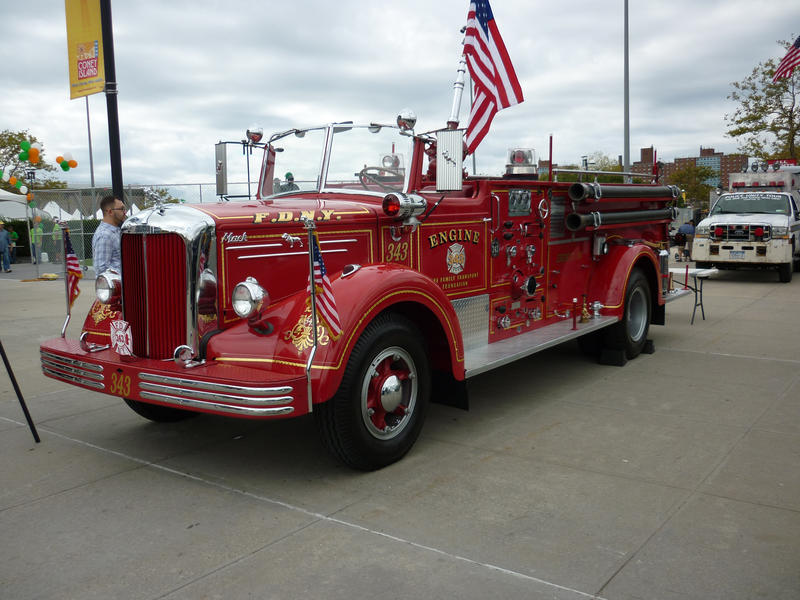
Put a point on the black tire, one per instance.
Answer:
(785, 272)
(630, 334)
(158, 413)
(702, 265)
(378, 410)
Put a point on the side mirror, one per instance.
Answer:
(221, 168)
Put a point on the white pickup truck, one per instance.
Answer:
(752, 229)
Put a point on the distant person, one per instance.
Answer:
(57, 235)
(290, 185)
(14, 239)
(686, 231)
(107, 237)
(36, 239)
(5, 247)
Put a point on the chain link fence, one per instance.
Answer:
(79, 209)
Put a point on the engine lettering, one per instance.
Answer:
(454, 235)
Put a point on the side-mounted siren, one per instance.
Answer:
(404, 206)
(522, 162)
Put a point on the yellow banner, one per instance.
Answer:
(84, 48)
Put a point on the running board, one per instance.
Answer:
(491, 356)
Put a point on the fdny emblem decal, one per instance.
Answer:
(121, 338)
(302, 334)
(100, 312)
(456, 259)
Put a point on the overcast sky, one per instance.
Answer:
(194, 73)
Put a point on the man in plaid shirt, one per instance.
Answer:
(106, 239)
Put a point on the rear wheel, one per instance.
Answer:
(630, 334)
(158, 413)
(378, 411)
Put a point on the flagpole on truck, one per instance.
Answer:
(66, 282)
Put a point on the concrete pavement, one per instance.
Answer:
(674, 477)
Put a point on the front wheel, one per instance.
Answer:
(630, 334)
(378, 411)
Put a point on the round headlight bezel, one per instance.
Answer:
(248, 298)
(108, 287)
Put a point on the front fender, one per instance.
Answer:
(360, 297)
(374, 289)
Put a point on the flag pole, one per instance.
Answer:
(458, 91)
(64, 239)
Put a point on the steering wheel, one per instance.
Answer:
(373, 174)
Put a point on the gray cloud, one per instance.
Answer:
(193, 73)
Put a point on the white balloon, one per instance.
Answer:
(23, 190)
(67, 156)
(37, 145)
(6, 175)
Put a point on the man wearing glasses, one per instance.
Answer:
(106, 239)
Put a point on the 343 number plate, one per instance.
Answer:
(120, 384)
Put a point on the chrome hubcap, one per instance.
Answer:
(389, 393)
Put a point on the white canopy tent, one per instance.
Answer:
(15, 206)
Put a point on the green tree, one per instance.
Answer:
(692, 179)
(9, 160)
(767, 117)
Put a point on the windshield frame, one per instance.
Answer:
(331, 130)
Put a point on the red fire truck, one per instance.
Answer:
(424, 278)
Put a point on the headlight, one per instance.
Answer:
(780, 230)
(701, 230)
(248, 298)
(108, 287)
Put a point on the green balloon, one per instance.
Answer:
(23, 155)
(26, 145)
(65, 166)
(32, 204)
(18, 184)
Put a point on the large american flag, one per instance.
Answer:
(496, 84)
(789, 62)
(74, 271)
(326, 303)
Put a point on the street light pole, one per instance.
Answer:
(111, 99)
(627, 147)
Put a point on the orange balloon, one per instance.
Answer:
(12, 180)
(73, 164)
(37, 219)
(59, 159)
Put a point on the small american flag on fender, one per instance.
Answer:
(326, 303)
(74, 271)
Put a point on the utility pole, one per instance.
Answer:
(111, 99)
